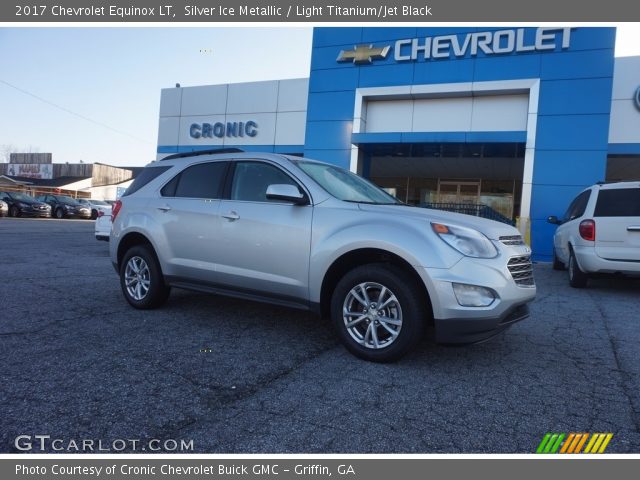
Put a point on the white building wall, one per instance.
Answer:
(624, 125)
(279, 108)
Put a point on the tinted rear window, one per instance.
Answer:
(623, 202)
(202, 180)
(143, 178)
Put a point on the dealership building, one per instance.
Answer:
(517, 119)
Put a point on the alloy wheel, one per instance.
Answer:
(372, 315)
(137, 278)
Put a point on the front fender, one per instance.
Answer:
(412, 242)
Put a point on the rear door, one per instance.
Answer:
(617, 216)
(265, 244)
(187, 212)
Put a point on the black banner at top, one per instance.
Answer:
(318, 11)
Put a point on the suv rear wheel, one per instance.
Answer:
(577, 278)
(378, 312)
(141, 278)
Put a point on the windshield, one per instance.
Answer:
(21, 197)
(346, 185)
(67, 200)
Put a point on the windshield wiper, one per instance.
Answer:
(372, 203)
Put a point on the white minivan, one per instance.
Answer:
(599, 233)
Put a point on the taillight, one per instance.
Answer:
(587, 230)
(116, 208)
(100, 213)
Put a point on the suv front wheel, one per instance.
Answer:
(141, 278)
(379, 312)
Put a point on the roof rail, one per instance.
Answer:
(609, 182)
(202, 152)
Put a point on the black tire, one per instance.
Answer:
(157, 292)
(557, 264)
(13, 211)
(94, 214)
(577, 278)
(410, 305)
(59, 213)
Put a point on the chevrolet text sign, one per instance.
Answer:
(471, 44)
(489, 43)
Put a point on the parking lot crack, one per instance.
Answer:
(625, 377)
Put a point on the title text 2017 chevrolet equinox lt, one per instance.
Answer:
(306, 234)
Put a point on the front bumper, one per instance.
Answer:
(467, 330)
(455, 323)
(35, 213)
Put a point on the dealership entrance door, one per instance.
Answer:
(446, 175)
(458, 192)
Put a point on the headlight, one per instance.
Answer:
(467, 241)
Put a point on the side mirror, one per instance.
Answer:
(554, 220)
(286, 193)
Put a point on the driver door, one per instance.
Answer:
(265, 244)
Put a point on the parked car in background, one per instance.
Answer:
(292, 231)
(23, 205)
(4, 208)
(103, 223)
(63, 206)
(93, 205)
(599, 233)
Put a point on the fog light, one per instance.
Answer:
(473, 295)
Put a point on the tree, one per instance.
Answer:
(5, 152)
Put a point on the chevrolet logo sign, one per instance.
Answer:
(362, 54)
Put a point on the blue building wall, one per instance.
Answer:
(573, 109)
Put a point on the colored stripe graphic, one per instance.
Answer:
(574, 443)
(570, 440)
(543, 443)
(550, 443)
(581, 444)
(592, 441)
(605, 443)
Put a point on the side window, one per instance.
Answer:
(203, 180)
(251, 179)
(577, 207)
(143, 178)
(621, 202)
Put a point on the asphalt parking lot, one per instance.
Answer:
(241, 377)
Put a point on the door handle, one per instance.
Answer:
(165, 208)
(231, 216)
(633, 228)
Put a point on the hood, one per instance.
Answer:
(490, 228)
(28, 202)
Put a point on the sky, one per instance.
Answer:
(92, 94)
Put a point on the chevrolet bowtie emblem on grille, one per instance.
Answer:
(363, 54)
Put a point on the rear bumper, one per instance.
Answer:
(590, 262)
(468, 330)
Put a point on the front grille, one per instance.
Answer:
(512, 240)
(521, 270)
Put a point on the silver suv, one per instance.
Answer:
(599, 233)
(310, 235)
